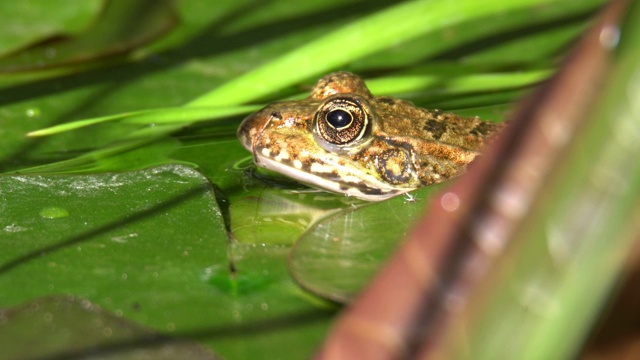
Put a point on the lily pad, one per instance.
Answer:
(274, 216)
(338, 256)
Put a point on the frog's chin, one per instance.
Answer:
(369, 188)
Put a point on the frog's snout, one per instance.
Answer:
(243, 132)
(251, 128)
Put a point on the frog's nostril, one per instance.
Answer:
(276, 115)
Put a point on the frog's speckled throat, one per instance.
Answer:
(345, 140)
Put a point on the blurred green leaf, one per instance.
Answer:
(30, 21)
(122, 25)
(569, 257)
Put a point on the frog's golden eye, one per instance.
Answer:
(342, 120)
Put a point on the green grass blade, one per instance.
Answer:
(134, 140)
(178, 115)
(399, 22)
(390, 85)
(475, 82)
(396, 24)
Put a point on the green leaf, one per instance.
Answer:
(182, 116)
(399, 23)
(150, 246)
(338, 256)
(274, 216)
(122, 26)
(30, 21)
(70, 327)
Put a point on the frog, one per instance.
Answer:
(345, 140)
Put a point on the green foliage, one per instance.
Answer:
(146, 235)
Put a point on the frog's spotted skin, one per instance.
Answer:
(344, 139)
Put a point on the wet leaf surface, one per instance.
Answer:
(150, 246)
(338, 256)
(72, 328)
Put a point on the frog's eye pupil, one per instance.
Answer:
(339, 118)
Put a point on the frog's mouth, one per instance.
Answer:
(369, 188)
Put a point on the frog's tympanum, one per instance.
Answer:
(345, 140)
